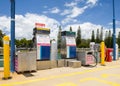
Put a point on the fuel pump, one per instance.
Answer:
(68, 45)
(42, 42)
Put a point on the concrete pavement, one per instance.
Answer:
(108, 75)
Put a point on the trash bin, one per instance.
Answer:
(109, 54)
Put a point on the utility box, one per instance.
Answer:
(86, 57)
(25, 61)
(68, 45)
(42, 42)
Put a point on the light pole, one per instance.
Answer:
(114, 33)
(12, 53)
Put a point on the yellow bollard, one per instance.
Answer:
(102, 47)
(6, 51)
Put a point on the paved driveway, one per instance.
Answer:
(108, 75)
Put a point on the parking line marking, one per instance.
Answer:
(100, 80)
(108, 75)
(58, 76)
(67, 84)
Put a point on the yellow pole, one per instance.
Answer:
(102, 47)
(6, 51)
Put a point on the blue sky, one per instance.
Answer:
(65, 12)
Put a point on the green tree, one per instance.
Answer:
(106, 38)
(101, 35)
(97, 37)
(70, 28)
(109, 39)
(1, 38)
(23, 42)
(78, 38)
(118, 39)
(29, 43)
(17, 43)
(59, 38)
(84, 43)
(93, 37)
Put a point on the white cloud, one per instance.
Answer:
(5, 24)
(73, 3)
(110, 23)
(65, 12)
(73, 13)
(70, 4)
(87, 27)
(55, 10)
(93, 2)
(73, 10)
(26, 23)
(117, 23)
(68, 19)
(76, 11)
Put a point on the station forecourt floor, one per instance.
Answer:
(108, 75)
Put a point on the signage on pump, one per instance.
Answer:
(70, 41)
(43, 40)
(39, 25)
